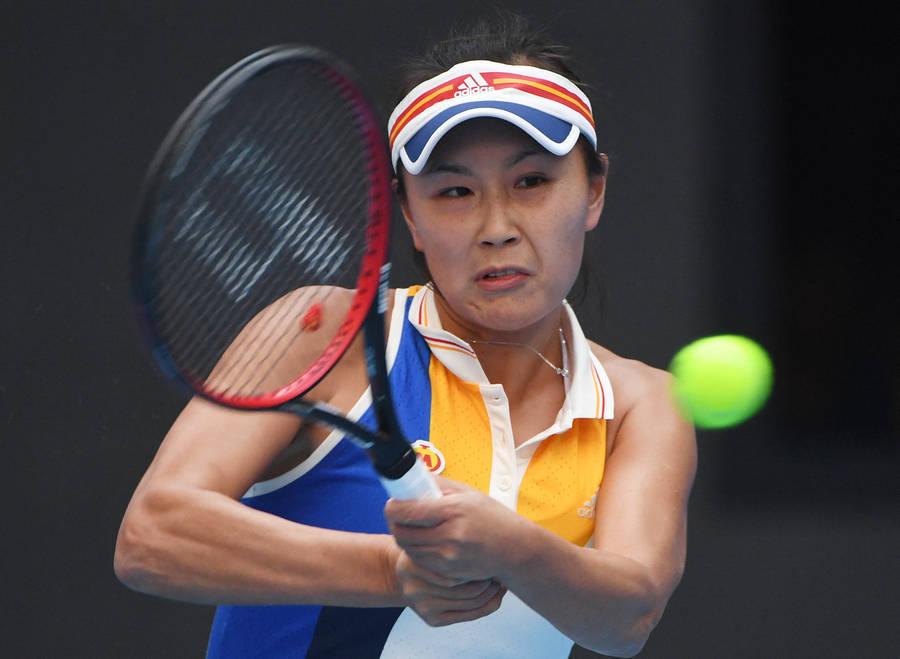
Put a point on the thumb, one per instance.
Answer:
(413, 512)
(450, 486)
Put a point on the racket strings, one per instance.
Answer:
(261, 340)
(213, 250)
(245, 232)
(273, 338)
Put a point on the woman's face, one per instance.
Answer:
(501, 223)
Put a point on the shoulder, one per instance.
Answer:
(643, 399)
(631, 379)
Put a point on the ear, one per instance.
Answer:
(407, 215)
(597, 195)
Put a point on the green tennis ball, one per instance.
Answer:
(721, 381)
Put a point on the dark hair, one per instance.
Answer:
(508, 38)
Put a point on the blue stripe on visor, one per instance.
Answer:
(554, 129)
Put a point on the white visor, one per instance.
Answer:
(547, 106)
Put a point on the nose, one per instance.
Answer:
(499, 227)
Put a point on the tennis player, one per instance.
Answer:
(565, 469)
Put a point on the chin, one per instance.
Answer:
(501, 318)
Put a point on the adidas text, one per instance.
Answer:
(473, 90)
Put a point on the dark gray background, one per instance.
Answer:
(751, 191)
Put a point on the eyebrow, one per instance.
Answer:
(454, 168)
(444, 168)
(522, 155)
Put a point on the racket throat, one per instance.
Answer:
(392, 458)
(392, 455)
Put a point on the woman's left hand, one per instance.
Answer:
(441, 601)
(465, 535)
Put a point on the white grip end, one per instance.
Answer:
(417, 483)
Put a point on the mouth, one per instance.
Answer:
(501, 278)
(506, 272)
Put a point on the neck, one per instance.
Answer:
(521, 364)
(543, 334)
(562, 369)
(510, 359)
(508, 356)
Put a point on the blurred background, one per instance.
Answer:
(752, 190)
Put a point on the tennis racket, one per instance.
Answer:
(261, 247)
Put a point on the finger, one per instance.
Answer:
(435, 603)
(414, 512)
(433, 560)
(416, 536)
(450, 486)
(436, 606)
(425, 512)
(413, 571)
(482, 591)
(452, 616)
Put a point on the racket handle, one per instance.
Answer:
(417, 483)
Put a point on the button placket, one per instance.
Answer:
(504, 468)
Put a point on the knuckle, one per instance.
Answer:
(486, 599)
(494, 603)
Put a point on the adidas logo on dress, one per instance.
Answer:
(587, 508)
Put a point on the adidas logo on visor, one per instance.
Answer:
(474, 84)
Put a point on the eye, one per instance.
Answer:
(531, 181)
(455, 191)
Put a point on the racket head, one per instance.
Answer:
(262, 229)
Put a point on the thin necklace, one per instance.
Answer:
(564, 371)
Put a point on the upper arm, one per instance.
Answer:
(216, 448)
(641, 508)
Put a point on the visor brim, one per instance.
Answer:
(554, 134)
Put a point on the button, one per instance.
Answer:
(504, 483)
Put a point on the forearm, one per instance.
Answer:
(603, 601)
(201, 546)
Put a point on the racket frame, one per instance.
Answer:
(391, 453)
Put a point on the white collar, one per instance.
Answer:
(588, 390)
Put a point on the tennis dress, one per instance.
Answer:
(461, 425)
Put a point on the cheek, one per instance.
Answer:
(567, 230)
(566, 259)
(437, 244)
(563, 244)
(434, 232)
(417, 230)
(440, 247)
